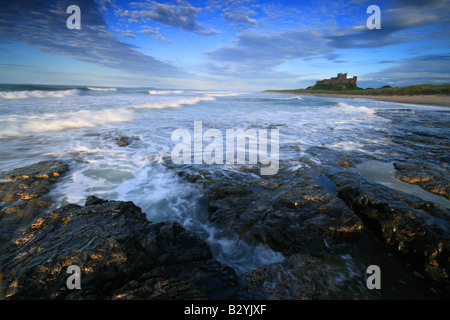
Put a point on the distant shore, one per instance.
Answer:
(442, 100)
(416, 99)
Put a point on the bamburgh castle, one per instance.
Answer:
(340, 79)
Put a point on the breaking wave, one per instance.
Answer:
(286, 98)
(221, 94)
(165, 91)
(353, 109)
(64, 121)
(25, 94)
(173, 103)
(100, 89)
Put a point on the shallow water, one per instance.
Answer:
(79, 125)
(380, 172)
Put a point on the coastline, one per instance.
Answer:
(414, 99)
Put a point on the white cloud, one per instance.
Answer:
(180, 16)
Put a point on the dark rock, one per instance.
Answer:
(291, 212)
(429, 176)
(124, 141)
(416, 229)
(23, 196)
(49, 170)
(121, 256)
(93, 200)
(299, 277)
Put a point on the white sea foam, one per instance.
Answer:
(221, 94)
(173, 103)
(290, 98)
(64, 121)
(38, 94)
(352, 109)
(346, 145)
(165, 91)
(101, 89)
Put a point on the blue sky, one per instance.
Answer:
(223, 44)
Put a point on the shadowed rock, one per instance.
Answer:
(428, 176)
(299, 277)
(23, 196)
(121, 256)
(291, 212)
(416, 229)
(125, 141)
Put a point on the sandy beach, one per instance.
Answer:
(416, 99)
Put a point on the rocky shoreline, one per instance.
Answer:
(309, 213)
(121, 254)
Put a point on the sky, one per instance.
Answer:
(222, 44)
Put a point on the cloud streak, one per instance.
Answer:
(240, 17)
(252, 48)
(393, 23)
(183, 17)
(44, 25)
(419, 70)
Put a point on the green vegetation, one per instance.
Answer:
(334, 87)
(421, 89)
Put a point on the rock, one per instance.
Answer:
(93, 200)
(124, 141)
(291, 211)
(429, 176)
(23, 196)
(417, 230)
(121, 256)
(299, 277)
(49, 170)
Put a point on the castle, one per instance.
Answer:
(340, 79)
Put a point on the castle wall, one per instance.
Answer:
(340, 79)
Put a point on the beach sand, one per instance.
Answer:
(416, 99)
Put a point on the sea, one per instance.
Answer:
(80, 125)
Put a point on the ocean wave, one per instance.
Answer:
(291, 98)
(65, 121)
(220, 94)
(286, 98)
(100, 89)
(173, 103)
(25, 94)
(165, 91)
(353, 109)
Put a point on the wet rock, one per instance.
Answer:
(290, 211)
(415, 229)
(121, 256)
(49, 170)
(124, 141)
(299, 277)
(23, 196)
(431, 177)
(319, 157)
